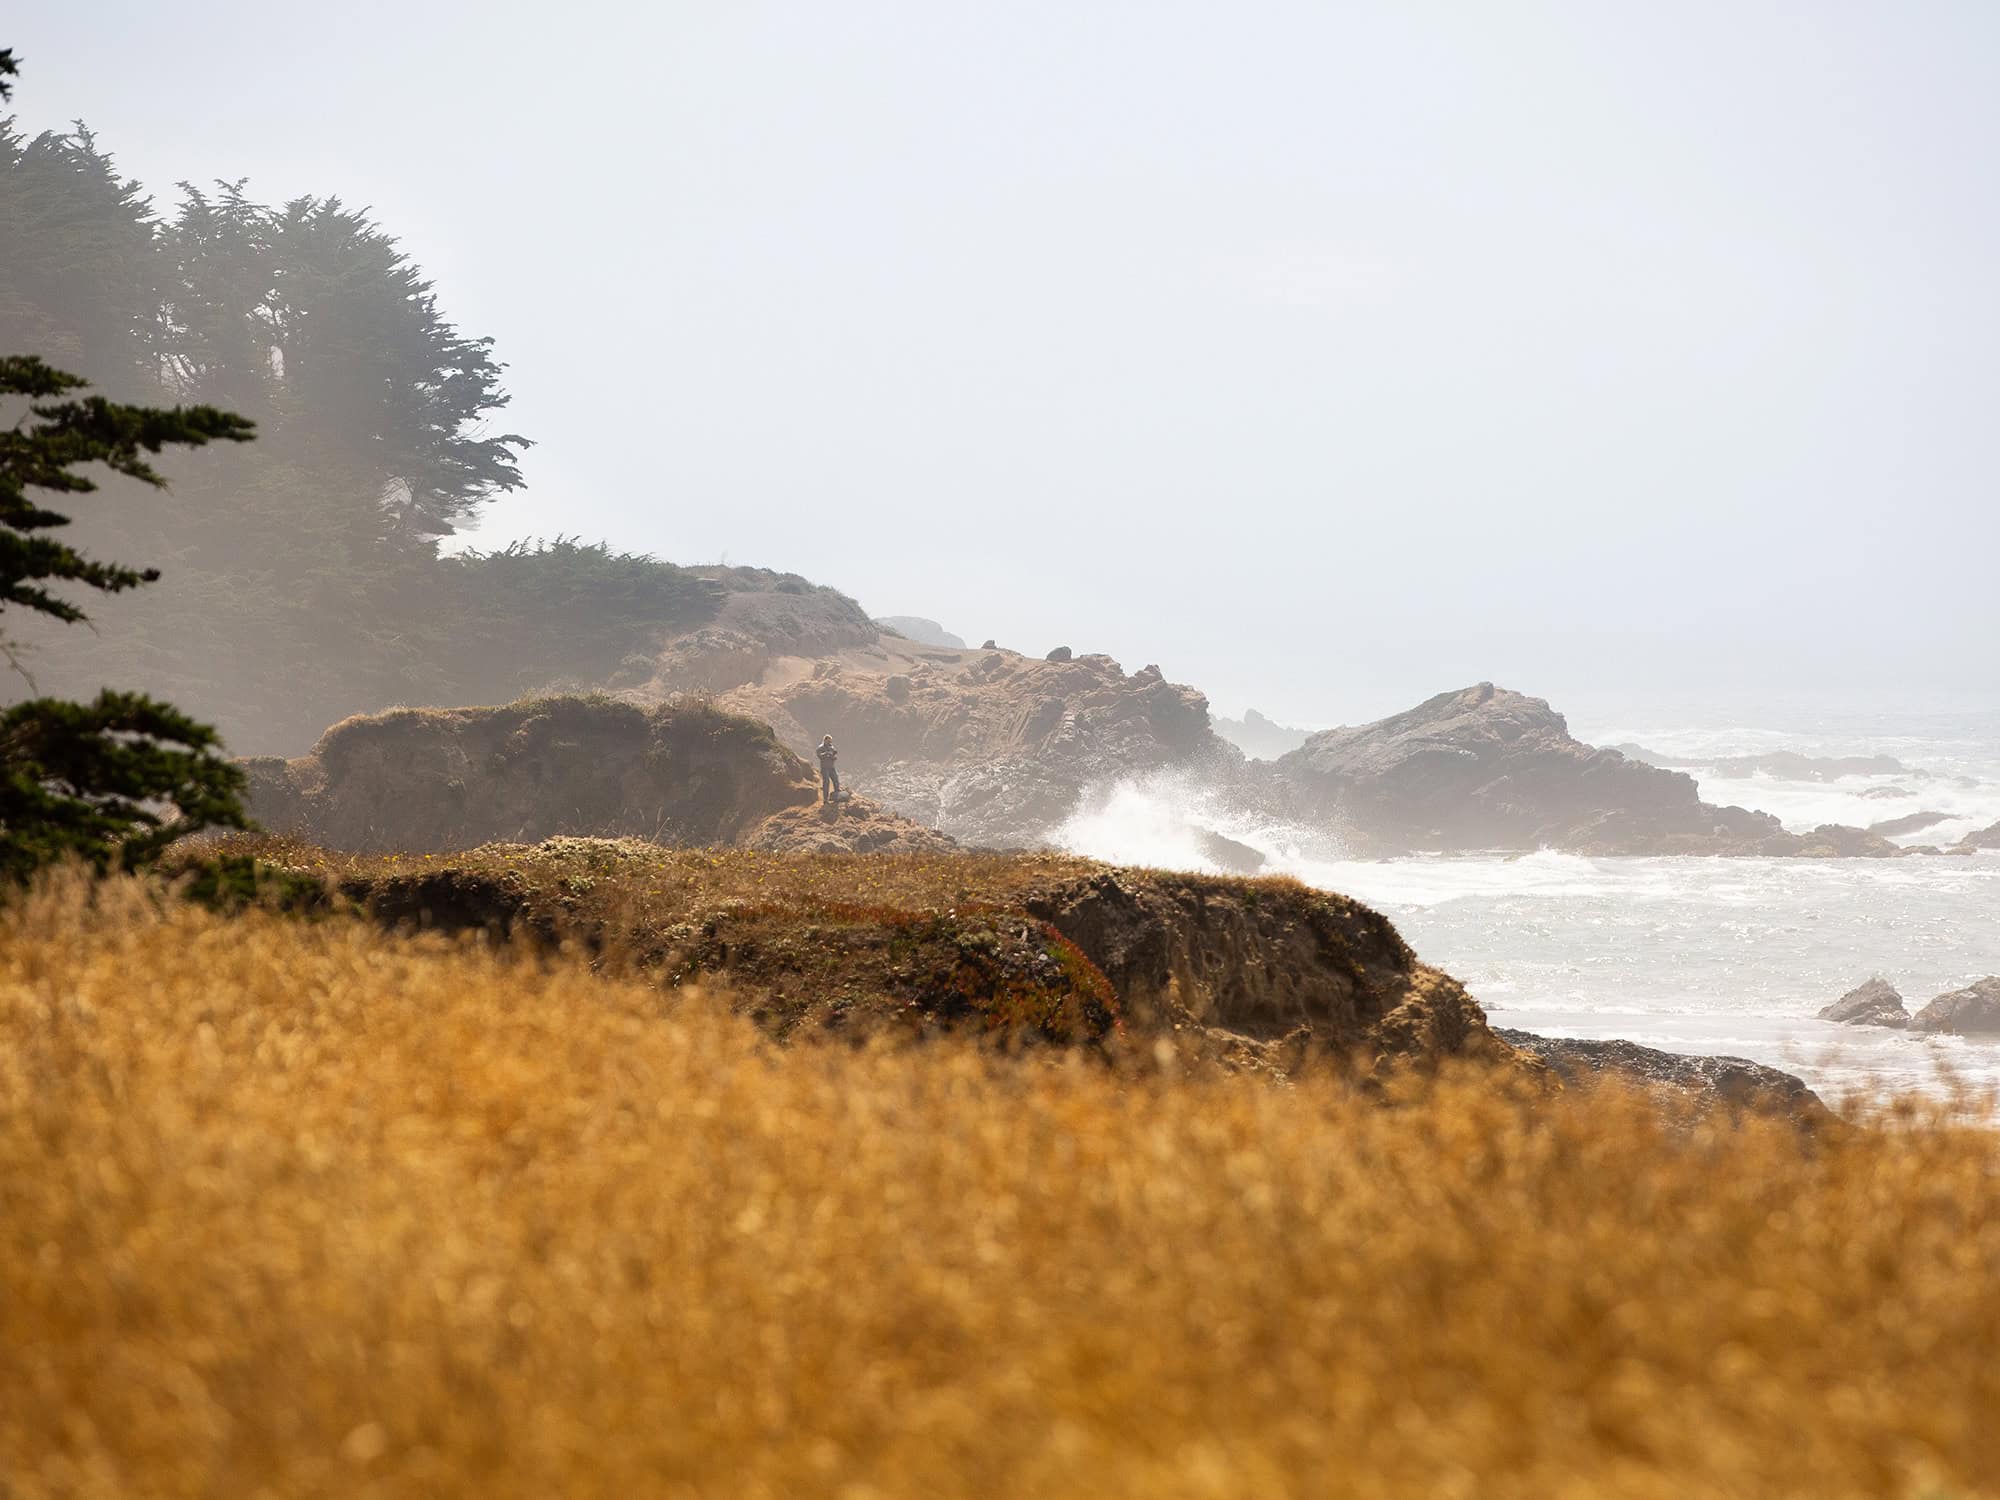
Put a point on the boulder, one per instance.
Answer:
(1875, 1003)
(1061, 653)
(1972, 1011)
(1736, 1082)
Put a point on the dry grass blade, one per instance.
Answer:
(302, 1209)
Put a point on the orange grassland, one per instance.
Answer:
(295, 1208)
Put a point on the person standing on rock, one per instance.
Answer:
(829, 777)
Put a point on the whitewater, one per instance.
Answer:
(1687, 954)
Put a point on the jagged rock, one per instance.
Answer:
(1972, 1011)
(1986, 838)
(923, 632)
(1914, 822)
(436, 780)
(1486, 768)
(1875, 1003)
(1284, 970)
(993, 747)
(1733, 1081)
(1061, 653)
(1260, 738)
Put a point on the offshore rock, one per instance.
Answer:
(1485, 768)
(1972, 1011)
(1875, 1003)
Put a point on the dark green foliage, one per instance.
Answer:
(302, 580)
(364, 351)
(231, 882)
(541, 612)
(79, 279)
(44, 450)
(114, 781)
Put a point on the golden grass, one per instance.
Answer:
(670, 883)
(299, 1209)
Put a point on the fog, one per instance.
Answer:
(1327, 356)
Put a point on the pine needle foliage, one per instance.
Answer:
(46, 449)
(117, 779)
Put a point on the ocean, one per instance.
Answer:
(1686, 954)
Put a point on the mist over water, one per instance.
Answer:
(1687, 954)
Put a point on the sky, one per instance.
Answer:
(1328, 355)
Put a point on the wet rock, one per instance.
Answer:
(1915, 822)
(1972, 1011)
(1486, 768)
(1986, 838)
(1875, 1003)
(1734, 1081)
(1229, 855)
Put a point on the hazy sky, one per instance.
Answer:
(1327, 354)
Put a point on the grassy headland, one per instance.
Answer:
(305, 1208)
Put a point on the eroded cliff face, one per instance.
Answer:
(1486, 768)
(1265, 964)
(435, 780)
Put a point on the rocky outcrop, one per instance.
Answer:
(853, 825)
(435, 780)
(993, 747)
(1149, 965)
(990, 746)
(1972, 1011)
(1986, 838)
(1915, 822)
(1260, 738)
(924, 632)
(1876, 1003)
(1264, 963)
(1485, 768)
(1736, 1082)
